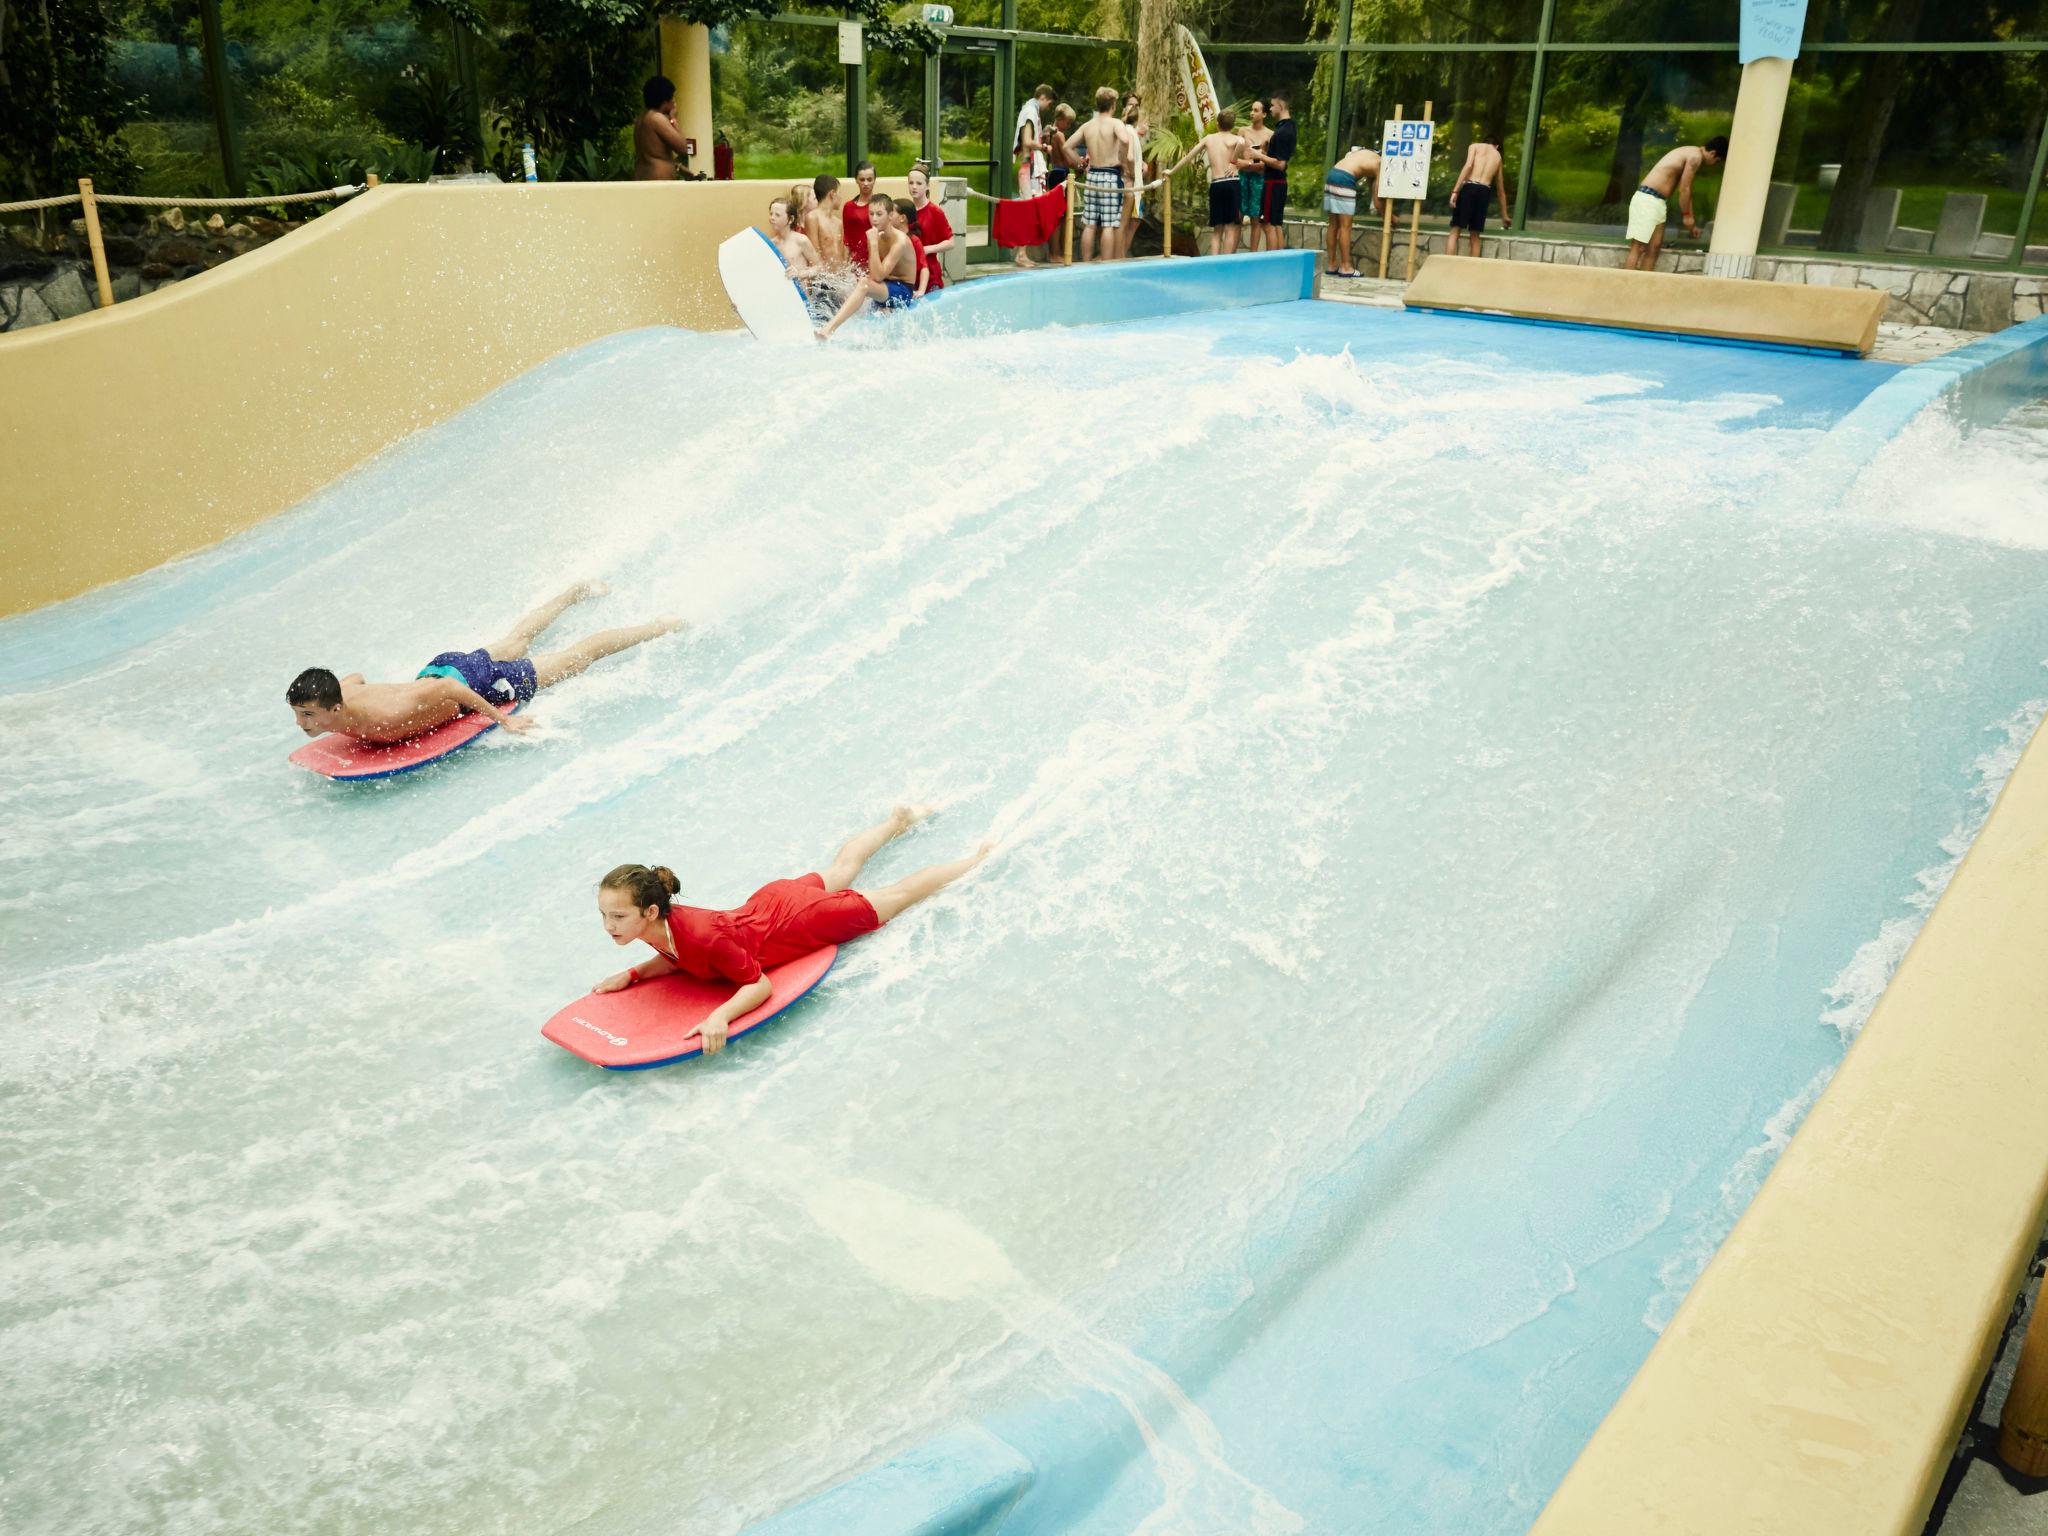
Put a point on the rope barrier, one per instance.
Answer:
(1143, 186)
(40, 202)
(331, 193)
(223, 202)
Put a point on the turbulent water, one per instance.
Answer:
(1445, 806)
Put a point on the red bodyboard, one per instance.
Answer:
(346, 759)
(655, 1022)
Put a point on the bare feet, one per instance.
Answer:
(904, 817)
(668, 624)
(584, 591)
(981, 853)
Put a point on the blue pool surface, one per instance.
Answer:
(1457, 787)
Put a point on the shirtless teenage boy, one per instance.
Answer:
(798, 254)
(1227, 154)
(1340, 202)
(1650, 207)
(891, 277)
(824, 224)
(1478, 180)
(1106, 145)
(457, 682)
(657, 142)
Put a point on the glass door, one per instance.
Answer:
(971, 143)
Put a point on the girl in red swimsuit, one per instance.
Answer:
(779, 922)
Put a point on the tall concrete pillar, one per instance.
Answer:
(1746, 179)
(686, 59)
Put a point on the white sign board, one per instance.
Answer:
(849, 42)
(1404, 158)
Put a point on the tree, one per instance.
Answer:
(59, 109)
(1877, 94)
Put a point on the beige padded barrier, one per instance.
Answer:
(1818, 1375)
(1792, 314)
(156, 428)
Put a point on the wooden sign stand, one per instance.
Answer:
(1387, 206)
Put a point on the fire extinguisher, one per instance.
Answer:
(721, 157)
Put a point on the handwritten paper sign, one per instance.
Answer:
(1771, 28)
(1404, 158)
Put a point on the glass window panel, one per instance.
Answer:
(1651, 21)
(155, 58)
(1445, 21)
(1474, 94)
(779, 94)
(1074, 71)
(324, 91)
(1930, 21)
(1270, 21)
(576, 101)
(971, 141)
(1244, 77)
(895, 110)
(1859, 126)
(1087, 18)
(1608, 118)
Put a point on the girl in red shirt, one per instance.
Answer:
(856, 218)
(779, 922)
(931, 226)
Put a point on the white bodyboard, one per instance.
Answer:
(758, 283)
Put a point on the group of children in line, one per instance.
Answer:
(847, 253)
(779, 922)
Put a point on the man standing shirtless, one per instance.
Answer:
(1650, 207)
(1478, 180)
(1105, 144)
(1227, 154)
(1340, 202)
(657, 143)
(891, 277)
(459, 682)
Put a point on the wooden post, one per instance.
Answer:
(1165, 214)
(1386, 209)
(1415, 214)
(1067, 182)
(2023, 1425)
(370, 179)
(92, 238)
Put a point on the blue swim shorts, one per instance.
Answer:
(502, 682)
(901, 296)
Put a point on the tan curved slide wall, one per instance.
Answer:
(159, 427)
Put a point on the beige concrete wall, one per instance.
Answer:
(1797, 315)
(1820, 1371)
(161, 426)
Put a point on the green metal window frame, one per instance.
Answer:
(1341, 46)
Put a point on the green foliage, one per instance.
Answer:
(60, 111)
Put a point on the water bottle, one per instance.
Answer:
(526, 159)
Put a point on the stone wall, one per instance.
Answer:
(46, 273)
(1960, 298)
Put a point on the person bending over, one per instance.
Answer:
(1340, 202)
(782, 921)
(1650, 207)
(1228, 154)
(891, 278)
(1481, 176)
(460, 682)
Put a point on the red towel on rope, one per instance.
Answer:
(1028, 220)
